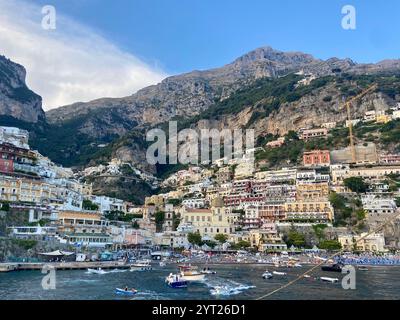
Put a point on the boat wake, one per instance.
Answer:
(224, 287)
(117, 270)
(96, 271)
(150, 295)
(74, 281)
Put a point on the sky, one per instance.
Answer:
(113, 48)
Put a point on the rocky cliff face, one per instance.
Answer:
(189, 94)
(16, 100)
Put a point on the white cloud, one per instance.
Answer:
(72, 63)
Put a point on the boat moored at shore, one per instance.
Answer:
(143, 265)
(337, 267)
(328, 279)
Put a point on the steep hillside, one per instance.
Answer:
(16, 99)
(275, 107)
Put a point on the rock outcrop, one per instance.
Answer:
(16, 99)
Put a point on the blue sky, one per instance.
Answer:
(182, 35)
(104, 48)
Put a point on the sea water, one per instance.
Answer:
(230, 282)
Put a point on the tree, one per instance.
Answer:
(296, 239)
(175, 202)
(221, 237)
(397, 200)
(330, 245)
(89, 205)
(175, 221)
(114, 215)
(360, 214)
(319, 231)
(337, 200)
(194, 238)
(356, 184)
(159, 218)
(210, 243)
(292, 135)
(135, 225)
(242, 244)
(5, 206)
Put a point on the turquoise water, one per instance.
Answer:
(243, 282)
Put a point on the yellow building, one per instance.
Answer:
(156, 200)
(312, 191)
(382, 118)
(81, 222)
(318, 211)
(175, 194)
(25, 190)
(208, 222)
(372, 243)
(266, 240)
(370, 173)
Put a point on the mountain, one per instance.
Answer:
(188, 94)
(16, 99)
(271, 91)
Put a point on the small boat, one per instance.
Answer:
(175, 281)
(125, 292)
(162, 264)
(190, 273)
(306, 276)
(267, 275)
(337, 267)
(328, 279)
(279, 273)
(96, 271)
(141, 266)
(293, 264)
(362, 268)
(208, 271)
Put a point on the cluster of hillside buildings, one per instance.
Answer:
(231, 198)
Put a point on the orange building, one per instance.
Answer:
(316, 158)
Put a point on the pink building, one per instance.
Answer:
(317, 158)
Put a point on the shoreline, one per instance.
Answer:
(59, 266)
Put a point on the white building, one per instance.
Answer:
(15, 136)
(195, 203)
(108, 204)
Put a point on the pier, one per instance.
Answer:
(8, 267)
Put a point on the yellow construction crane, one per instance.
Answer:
(350, 122)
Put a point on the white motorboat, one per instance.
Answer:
(279, 273)
(175, 281)
(328, 279)
(143, 265)
(190, 273)
(362, 268)
(97, 271)
(267, 275)
(208, 271)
